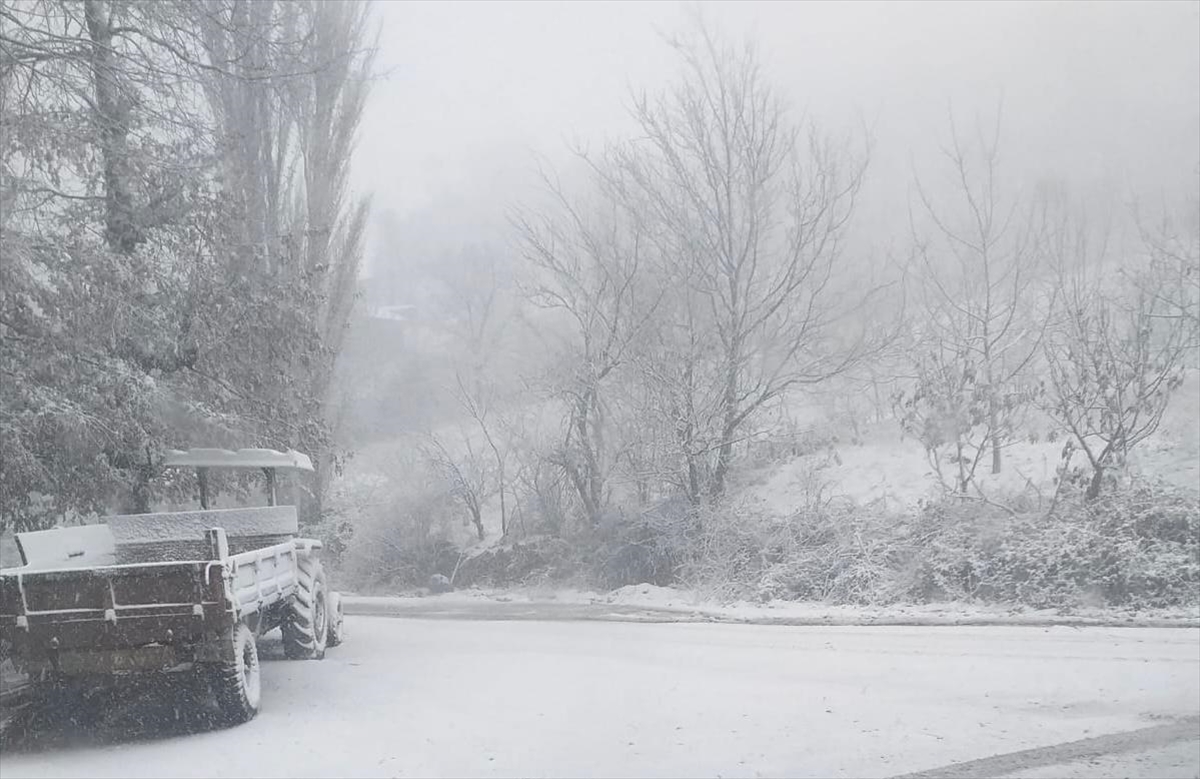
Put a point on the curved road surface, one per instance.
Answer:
(583, 697)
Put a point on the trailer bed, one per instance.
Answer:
(59, 613)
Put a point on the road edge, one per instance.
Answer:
(432, 608)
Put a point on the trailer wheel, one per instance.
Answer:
(306, 627)
(237, 682)
(337, 629)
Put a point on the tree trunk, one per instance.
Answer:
(686, 432)
(994, 424)
(590, 483)
(580, 485)
(503, 508)
(112, 121)
(1093, 490)
(477, 520)
(724, 457)
(141, 499)
(310, 494)
(139, 494)
(729, 423)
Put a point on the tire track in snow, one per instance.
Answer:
(1144, 739)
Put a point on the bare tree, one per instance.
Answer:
(704, 280)
(466, 471)
(286, 144)
(983, 316)
(1173, 276)
(328, 106)
(749, 209)
(1119, 352)
(588, 263)
(474, 305)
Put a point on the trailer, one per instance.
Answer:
(184, 592)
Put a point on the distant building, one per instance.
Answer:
(397, 313)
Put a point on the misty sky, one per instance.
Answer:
(1104, 96)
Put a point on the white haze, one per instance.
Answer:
(1103, 98)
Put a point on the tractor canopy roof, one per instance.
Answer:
(242, 458)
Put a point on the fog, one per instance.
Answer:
(586, 310)
(754, 298)
(1104, 97)
(805, 314)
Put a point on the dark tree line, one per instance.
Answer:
(179, 246)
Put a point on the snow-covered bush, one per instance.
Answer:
(1138, 547)
(404, 527)
(531, 561)
(646, 547)
(826, 551)
(839, 553)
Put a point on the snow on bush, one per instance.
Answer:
(1137, 548)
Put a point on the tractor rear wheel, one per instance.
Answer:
(237, 682)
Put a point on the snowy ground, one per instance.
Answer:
(502, 698)
(892, 471)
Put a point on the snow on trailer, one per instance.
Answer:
(171, 592)
(241, 458)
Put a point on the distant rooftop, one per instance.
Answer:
(399, 313)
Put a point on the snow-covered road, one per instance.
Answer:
(409, 697)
